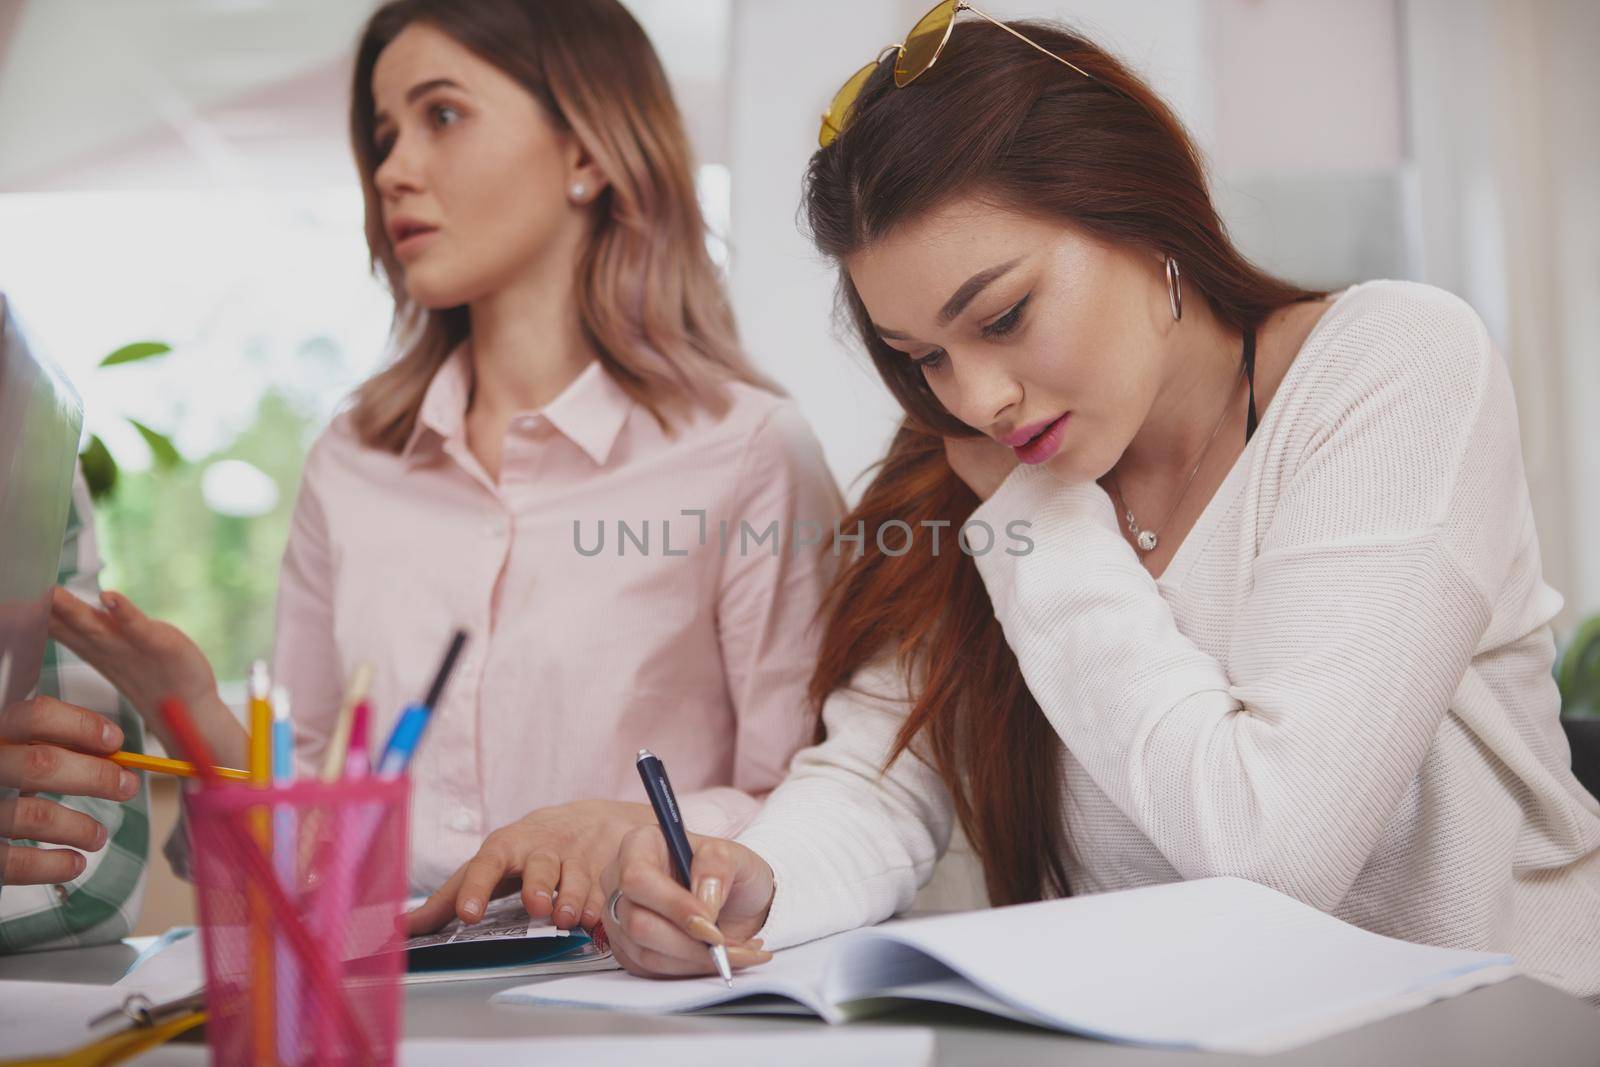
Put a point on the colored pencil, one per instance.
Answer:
(138, 761)
(338, 744)
(263, 1000)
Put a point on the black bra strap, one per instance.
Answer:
(1250, 376)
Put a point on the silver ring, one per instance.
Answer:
(611, 908)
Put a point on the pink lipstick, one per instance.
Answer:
(1037, 443)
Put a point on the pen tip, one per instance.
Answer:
(728, 982)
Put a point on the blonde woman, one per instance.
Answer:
(568, 455)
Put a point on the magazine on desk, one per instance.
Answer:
(1220, 964)
(506, 943)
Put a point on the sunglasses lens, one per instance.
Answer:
(837, 117)
(924, 42)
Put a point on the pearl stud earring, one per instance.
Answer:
(579, 190)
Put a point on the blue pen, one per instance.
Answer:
(285, 848)
(407, 732)
(659, 789)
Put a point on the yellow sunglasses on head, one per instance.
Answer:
(919, 52)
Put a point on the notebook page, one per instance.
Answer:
(1221, 964)
(795, 973)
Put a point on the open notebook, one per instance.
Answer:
(1220, 963)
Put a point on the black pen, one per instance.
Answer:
(656, 786)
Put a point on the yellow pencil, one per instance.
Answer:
(263, 995)
(138, 761)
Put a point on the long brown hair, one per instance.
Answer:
(651, 302)
(994, 117)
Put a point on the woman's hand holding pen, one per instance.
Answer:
(663, 928)
(149, 660)
(555, 854)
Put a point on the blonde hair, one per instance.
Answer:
(650, 300)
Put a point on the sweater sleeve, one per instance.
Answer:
(849, 843)
(1380, 547)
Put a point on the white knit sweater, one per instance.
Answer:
(1339, 688)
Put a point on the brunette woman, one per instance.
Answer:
(1283, 616)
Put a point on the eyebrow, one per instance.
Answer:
(415, 91)
(959, 299)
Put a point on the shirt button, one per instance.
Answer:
(462, 821)
(61, 892)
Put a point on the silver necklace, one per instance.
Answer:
(1147, 540)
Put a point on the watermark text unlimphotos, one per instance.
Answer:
(894, 537)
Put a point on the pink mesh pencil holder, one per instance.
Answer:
(300, 889)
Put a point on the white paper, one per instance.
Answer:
(857, 1047)
(1221, 964)
(44, 1018)
(176, 971)
(796, 973)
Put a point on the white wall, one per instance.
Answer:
(787, 61)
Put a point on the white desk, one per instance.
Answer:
(1513, 1023)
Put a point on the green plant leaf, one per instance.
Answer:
(165, 453)
(1578, 673)
(99, 468)
(135, 352)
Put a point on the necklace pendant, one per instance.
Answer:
(1147, 541)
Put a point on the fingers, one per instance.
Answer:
(711, 873)
(480, 880)
(663, 929)
(643, 879)
(647, 944)
(70, 615)
(593, 906)
(49, 769)
(45, 720)
(540, 874)
(30, 818)
(666, 916)
(576, 884)
(122, 609)
(39, 866)
(645, 929)
(438, 909)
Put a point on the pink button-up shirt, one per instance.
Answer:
(678, 634)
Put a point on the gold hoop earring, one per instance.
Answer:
(1174, 289)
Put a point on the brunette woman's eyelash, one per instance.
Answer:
(1007, 322)
(931, 360)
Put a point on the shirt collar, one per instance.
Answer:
(590, 412)
(443, 413)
